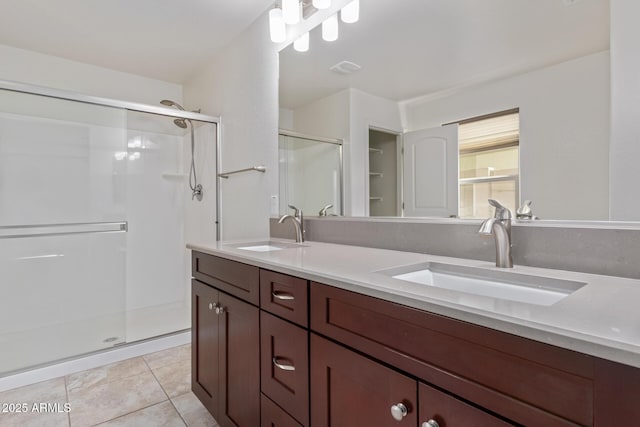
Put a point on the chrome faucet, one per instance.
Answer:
(323, 211)
(298, 222)
(500, 227)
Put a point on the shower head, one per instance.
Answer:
(170, 103)
(181, 123)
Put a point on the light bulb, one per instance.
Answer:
(291, 11)
(330, 28)
(321, 4)
(351, 12)
(302, 43)
(277, 28)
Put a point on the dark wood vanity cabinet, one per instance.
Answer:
(322, 356)
(226, 342)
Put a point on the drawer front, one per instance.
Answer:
(446, 410)
(274, 416)
(285, 365)
(235, 278)
(460, 357)
(284, 296)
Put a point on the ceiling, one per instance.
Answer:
(161, 39)
(411, 48)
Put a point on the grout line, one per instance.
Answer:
(177, 410)
(129, 413)
(157, 380)
(66, 393)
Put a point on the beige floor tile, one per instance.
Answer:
(169, 356)
(105, 374)
(175, 379)
(193, 412)
(160, 415)
(103, 402)
(52, 393)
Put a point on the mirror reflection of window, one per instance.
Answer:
(489, 159)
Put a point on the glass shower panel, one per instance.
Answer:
(159, 207)
(63, 193)
(310, 175)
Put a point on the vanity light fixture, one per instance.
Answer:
(321, 4)
(277, 27)
(291, 11)
(330, 28)
(302, 43)
(351, 12)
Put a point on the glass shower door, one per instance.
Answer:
(62, 229)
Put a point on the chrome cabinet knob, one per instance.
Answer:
(430, 423)
(399, 411)
(220, 310)
(213, 306)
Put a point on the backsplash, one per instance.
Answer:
(608, 251)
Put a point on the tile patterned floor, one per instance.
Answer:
(153, 390)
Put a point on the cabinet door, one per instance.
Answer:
(350, 390)
(204, 342)
(446, 410)
(239, 363)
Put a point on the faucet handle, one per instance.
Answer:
(502, 212)
(525, 211)
(323, 211)
(296, 212)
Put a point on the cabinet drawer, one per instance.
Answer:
(536, 384)
(285, 365)
(284, 296)
(446, 410)
(235, 278)
(274, 416)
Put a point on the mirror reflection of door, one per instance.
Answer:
(431, 172)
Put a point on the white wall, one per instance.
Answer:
(51, 71)
(564, 132)
(240, 85)
(625, 110)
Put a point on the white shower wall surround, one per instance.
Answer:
(64, 162)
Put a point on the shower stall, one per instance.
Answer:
(95, 211)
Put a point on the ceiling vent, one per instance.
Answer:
(345, 67)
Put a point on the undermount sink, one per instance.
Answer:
(504, 285)
(266, 246)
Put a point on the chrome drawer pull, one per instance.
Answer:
(282, 295)
(283, 366)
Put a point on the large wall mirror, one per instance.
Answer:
(442, 104)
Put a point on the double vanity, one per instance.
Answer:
(318, 334)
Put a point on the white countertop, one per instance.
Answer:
(601, 319)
